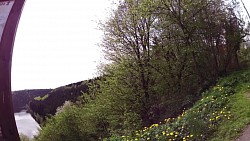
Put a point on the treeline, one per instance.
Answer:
(163, 54)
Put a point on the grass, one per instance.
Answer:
(221, 114)
(240, 108)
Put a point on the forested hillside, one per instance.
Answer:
(46, 105)
(163, 57)
(21, 99)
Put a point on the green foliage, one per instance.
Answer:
(122, 105)
(71, 124)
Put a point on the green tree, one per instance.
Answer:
(127, 41)
(208, 32)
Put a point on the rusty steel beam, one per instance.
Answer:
(7, 120)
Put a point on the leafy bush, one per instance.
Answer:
(71, 124)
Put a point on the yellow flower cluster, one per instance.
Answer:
(218, 87)
(154, 125)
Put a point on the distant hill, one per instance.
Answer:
(22, 98)
(46, 105)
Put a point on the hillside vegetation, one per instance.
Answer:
(220, 115)
(164, 57)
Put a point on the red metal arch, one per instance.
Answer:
(8, 129)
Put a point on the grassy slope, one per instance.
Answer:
(240, 108)
(222, 114)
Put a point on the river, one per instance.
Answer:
(26, 124)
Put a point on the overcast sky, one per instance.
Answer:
(56, 42)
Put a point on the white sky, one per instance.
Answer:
(56, 42)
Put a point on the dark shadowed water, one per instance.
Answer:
(26, 124)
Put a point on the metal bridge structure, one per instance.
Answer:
(10, 12)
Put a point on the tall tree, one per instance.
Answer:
(128, 36)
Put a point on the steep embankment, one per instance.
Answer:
(222, 113)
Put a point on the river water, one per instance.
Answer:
(26, 124)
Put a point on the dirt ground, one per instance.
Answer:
(245, 136)
(248, 96)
